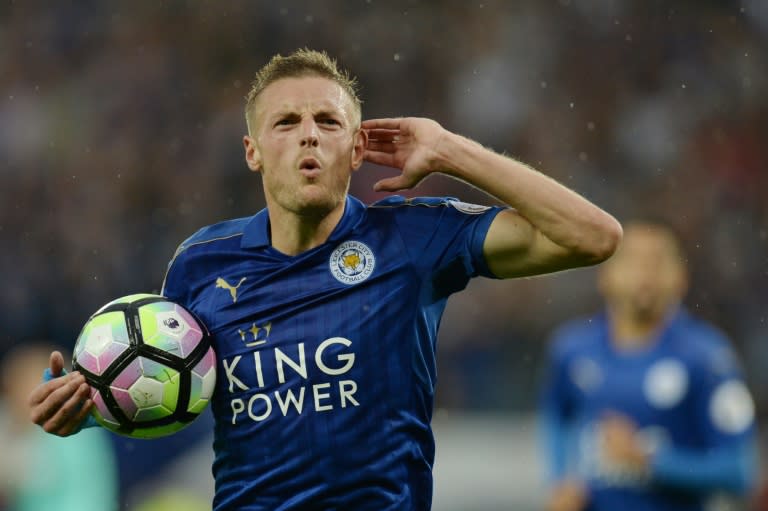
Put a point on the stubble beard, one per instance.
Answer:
(312, 201)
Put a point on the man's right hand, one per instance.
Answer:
(60, 405)
(568, 496)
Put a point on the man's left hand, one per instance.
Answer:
(621, 443)
(409, 144)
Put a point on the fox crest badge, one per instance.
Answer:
(352, 262)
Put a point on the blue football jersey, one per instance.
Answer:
(326, 359)
(684, 392)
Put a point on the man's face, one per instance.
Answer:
(646, 276)
(306, 142)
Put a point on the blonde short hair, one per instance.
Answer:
(303, 62)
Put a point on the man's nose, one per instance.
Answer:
(309, 133)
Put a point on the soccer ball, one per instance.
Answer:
(149, 363)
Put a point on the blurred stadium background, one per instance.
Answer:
(120, 135)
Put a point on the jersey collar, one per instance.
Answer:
(256, 232)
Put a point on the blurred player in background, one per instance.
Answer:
(324, 311)
(644, 406)
(39, 471)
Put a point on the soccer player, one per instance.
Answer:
(644, 407)
(324, 311)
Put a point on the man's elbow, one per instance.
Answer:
(605, 237)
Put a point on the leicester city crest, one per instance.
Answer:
(352, 262)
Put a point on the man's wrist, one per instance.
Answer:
(48, 375)
(450, 151)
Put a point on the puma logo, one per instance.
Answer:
(223, 284)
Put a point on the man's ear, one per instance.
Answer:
(252, 154)
(360, 143)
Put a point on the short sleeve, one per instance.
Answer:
(722, 426)
(444, 238)
(723, 403)
(174, 287)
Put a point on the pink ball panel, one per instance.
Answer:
(124, 401)
(128, 376)
(110, 355)
(89, 362)
(101, 406)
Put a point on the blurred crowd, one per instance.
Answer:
(121, 127)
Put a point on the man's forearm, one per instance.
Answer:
(729, 469)
(562, 215)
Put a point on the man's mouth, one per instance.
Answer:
(309, 165)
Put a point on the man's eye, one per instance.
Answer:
(329, 122)
(284, 122)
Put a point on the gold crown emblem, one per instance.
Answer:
(255, 335)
